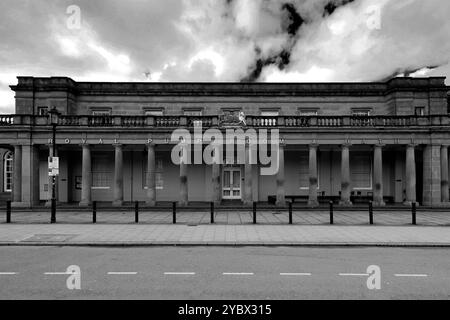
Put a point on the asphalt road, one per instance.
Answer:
(224, 273)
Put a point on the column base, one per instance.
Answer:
(85, 203)
(280, 204)
(183, 203)
(379, 203)
(442, 205)
(48, 203)
(345, 203)
(409, 203)
(150, 203)
(117, 203)
(313, 203)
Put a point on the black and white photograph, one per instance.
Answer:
(218, 158)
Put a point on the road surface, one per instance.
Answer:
(224, 273)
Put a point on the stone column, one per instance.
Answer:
(444, 175)
(432, 175)
(313, 177)
(118, 175)
(151, 173)
(281, 200)
(184, 201)
(30, 176)
(345, 175)
(248, 195)
(86, 180)
(410, 175)
(17, 175)
(378, 200)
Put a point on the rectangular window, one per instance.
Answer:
(42, 111)
(193, 112)
(159, 176)
(153, 112)
(270, 113)
(304, 171)
(308, 112)
(8, 172)
(361, 172)
(419, 111)
(101, 175)
(361, 112)
(101, 112)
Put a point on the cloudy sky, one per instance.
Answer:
(222, 40)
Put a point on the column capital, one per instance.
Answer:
(411, 145)
(379, 145)
(346, 144)
(117, 144)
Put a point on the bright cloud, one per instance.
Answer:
(224, 40)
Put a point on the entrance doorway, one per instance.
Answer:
(231, 188)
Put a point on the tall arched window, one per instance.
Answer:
(8, 171)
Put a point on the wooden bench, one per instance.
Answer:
(326, 199)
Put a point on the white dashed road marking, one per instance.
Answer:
(411, 275)
(56, 273)
(296, 274)
(238, 273)
(7, 273)
(180, 273)
(121, 273)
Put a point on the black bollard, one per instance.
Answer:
(53, 211)
(254, 212)
(8, 211)
(174, 212)
(136, 212)
(331, 212)
(94, 212)
(212, 212)
(290, 212)
(370, 212)
(413, 212)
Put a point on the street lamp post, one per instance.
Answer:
(54, 114)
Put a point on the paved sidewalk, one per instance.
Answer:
(220, 235)
(267, 217)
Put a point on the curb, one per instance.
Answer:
(225, 244)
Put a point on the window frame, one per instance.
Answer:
(308, 112)
(362, 112)
(108, 173)
(101, 112)
(8, 171)
(422, 108)
(266, 112)
(149, 110)
(352, 160)
(42, 108)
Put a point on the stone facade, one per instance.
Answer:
(345, 142)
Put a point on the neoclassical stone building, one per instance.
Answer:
(346, 142)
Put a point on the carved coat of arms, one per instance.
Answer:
(232, 119)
